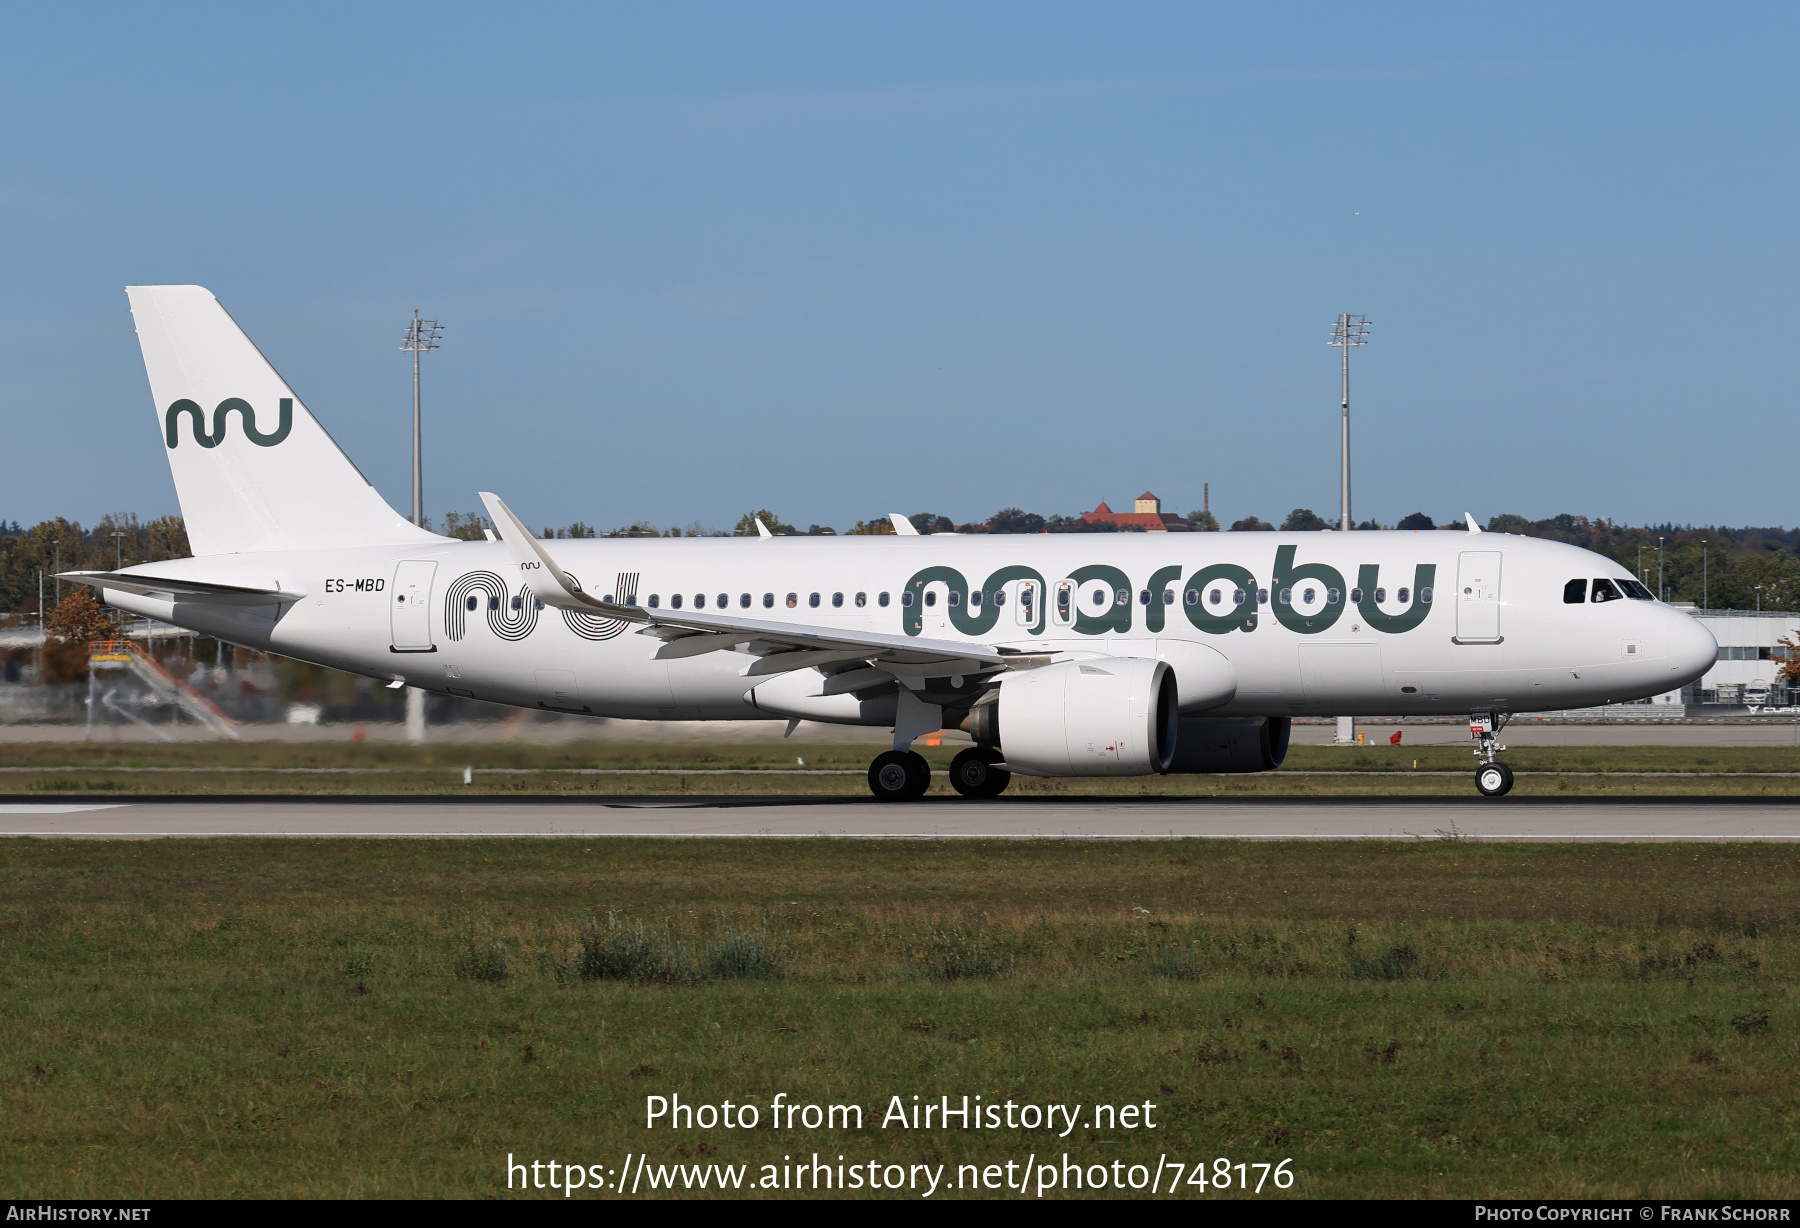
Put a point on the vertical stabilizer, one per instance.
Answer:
(253, 469)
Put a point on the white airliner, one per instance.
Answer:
(1060, 655)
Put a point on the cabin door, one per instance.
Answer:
(1478, 597)
(410, 607)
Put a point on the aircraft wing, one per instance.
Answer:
(783, 646)
(180, 590)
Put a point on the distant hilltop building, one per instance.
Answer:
(1147, 514)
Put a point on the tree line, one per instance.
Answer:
(1723, 568)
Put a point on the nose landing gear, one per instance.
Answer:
(1491, 778)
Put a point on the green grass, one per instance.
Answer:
(771, 769)
(391, 1018)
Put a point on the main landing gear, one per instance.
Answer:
(975, 772)
(903, 775)
(899, 776)
(1491, 778)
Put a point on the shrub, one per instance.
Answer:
(478, 955)
(621, 949)
(1400, 963)
(955, 955)
(1176, 963)
(740, 954)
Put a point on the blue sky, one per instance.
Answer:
(840, 260)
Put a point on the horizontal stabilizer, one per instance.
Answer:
(180, 590)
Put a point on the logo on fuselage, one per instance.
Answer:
(221, 416)
(1217, 599)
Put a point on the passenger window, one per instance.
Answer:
(975, 599)
(655, 599)
(1193, 596)
(1262, 596)
(768, 601)
(862, 599)
(1380, 595)
(518, 603)
(725, 600)
(1356, 596)
(1214, 597)
(744, 600)
(1000, 597)
(930, 597)
(473, 603)
(1122, 597)
(700, 601)
(813, 601)
(1144, 597)
(883, 599)
(1287, 596)
(1575, 592)
(906, 599)
(1062, 600)
(674, 602)
(1237, 596)
(1168, 596)
(793, 599)
(837, 601)
(1403, 596)
(493, 603)
(1604, 591)
(953, 598)
(1424, 595)
(1331, 596)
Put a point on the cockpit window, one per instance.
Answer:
(1636, 591)
(1604, 591)
(1575, 592)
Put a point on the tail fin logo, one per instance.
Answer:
(221, 414)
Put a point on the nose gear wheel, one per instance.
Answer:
(1492, 779)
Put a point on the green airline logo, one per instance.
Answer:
(1307, 598)
(221, 414)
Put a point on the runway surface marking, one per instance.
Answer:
(1326, 819)
(55, 807)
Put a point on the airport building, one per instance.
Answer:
(1146, 514)
(1750, 658)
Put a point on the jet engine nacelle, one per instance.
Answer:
(1231, 744)
(1104, 716)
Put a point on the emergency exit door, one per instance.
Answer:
(1478, 597)
(409, 606)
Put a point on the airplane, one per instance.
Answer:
(1059, 655)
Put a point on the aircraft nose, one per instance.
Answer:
(1692, 649)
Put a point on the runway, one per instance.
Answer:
(1533, 819)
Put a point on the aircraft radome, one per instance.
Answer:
(1060, 655)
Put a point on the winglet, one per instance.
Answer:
(1473, 527)
(549, 583)
(902, 526)
(762, 530)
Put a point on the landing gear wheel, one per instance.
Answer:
(973, 774)
(899, 776)
(1494, 779)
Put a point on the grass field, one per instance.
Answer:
(392, 1018)
(631, 768)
